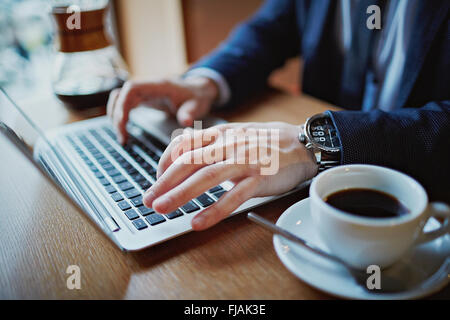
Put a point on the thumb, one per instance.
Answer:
(191, 110)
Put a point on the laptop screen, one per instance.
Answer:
(21, 128)
(17, 125)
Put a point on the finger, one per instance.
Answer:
(190, 111)
(179, 171)
(190, 140)
(130, 96)
(112, 102)
(127, 99)
(230, 201)
(184, 167)
(199, 182)
(179, 145)
(161, 103)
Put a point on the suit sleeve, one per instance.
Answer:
(255, 48)
(412, 140)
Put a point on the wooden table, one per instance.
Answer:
(41, 235)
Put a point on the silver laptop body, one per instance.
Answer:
(107, 180)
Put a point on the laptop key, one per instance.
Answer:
(138, 177)
(121, 160)
(149, 152)
(150, 170)
(99, 175)
(119, 179)
(107, 166)
(125, 186)
(116, 196)
(131, 214)
(132, 193)
(126, 165)
(146, 166)
(215, 189)
(104, 182)
(102, 160)
(139, 224)
(137, 202)
(139, 159)
(124, 205)
(219, 194)
(145, 211)
(131, 171)
(175, 214)
(154, 219)
(110, 189)
(190, 207)
(205, 200)
(118, 156)
(97, 155)
(145, 184)
(113, 172)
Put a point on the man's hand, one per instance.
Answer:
(189, 98)
(261, 159)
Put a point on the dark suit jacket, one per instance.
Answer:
(414, 138)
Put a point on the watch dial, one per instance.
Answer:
(323, 132)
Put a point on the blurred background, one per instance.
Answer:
(25, 44)
(157, 38)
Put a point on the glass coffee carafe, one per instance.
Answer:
(87, 66)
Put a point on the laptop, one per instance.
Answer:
(106, 180)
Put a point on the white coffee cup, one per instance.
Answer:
(363, 241)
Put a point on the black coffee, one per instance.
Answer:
(367, 203)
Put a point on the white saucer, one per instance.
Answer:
(421, 262)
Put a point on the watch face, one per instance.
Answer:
(323, 132)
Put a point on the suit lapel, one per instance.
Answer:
(319, 10)
(355, 63)
(426, 26)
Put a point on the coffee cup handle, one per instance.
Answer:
(437, 210)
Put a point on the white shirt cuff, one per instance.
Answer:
(222, 85)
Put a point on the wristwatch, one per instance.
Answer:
(319, 135)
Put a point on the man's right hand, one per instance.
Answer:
(187, 98)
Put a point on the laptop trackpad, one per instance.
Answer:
(163, 126)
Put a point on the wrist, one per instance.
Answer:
(304, 154)
(203, 87)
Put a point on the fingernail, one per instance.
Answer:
(185, 120)
(161, 204)
(188, 122)
(120, 138)
(198, 222)
(148, 198)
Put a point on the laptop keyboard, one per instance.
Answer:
(125, 181)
